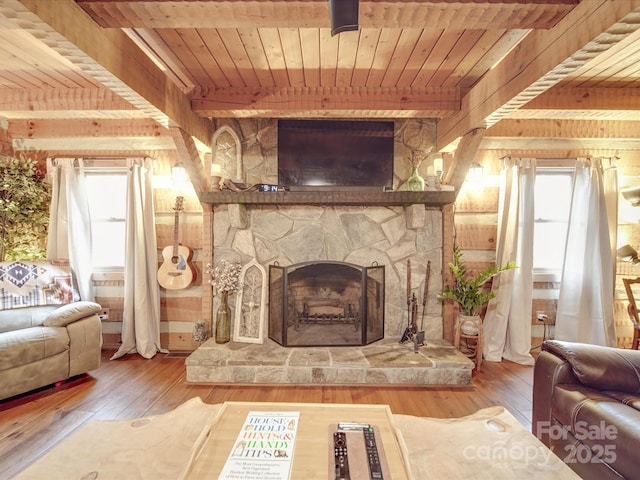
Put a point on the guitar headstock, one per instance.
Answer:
(179, 204)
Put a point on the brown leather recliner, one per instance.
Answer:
(586, 407)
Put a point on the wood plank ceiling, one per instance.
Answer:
(120, 74)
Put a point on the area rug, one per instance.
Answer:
(490, 444)
(156, 447)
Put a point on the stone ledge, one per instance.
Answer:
(386, 362)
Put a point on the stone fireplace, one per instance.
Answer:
(326, 304)
(357, 233)
(293, 235)
(385, 236)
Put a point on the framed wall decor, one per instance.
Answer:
(251, 301)
(227, 151)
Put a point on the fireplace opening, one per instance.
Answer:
(326, 304)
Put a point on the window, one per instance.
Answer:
(107, 192)
(552, 202)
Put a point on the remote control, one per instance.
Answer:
(375, 468)
(340, 455)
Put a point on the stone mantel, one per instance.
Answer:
(437, 198)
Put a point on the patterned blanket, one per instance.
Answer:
(34, 283)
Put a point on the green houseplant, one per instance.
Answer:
(470, 292)
(25, 196)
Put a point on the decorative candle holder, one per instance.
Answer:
(216, 176)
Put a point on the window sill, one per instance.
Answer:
(547, 277)
(108, 276)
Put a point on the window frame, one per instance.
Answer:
(93, 171)
(544, 274)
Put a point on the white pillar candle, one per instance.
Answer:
(437, 164)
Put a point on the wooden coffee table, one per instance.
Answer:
(314, 447)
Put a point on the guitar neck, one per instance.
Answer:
(175, 232)
(176, 219)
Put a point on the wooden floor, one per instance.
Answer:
(133, 387)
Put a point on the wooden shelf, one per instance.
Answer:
(429, 198)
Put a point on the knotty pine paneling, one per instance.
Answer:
(189, 232)
(180, 309)
(184, 306)
(165, 198)
(476, 237)
(178, 341)
(481, 200)
(476, 231)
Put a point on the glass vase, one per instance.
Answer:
(415, 183)
(223, 319)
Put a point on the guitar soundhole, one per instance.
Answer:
(179, 261)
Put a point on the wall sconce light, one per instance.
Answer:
(344, 15)
(475, 173)
(178, 173)
(216, 176)
(627, 253)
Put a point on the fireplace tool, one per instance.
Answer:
(420, 335)
(412, 324)
(411, 332)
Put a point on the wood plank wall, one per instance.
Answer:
(179, 308)
(475, 219)
(473, 224)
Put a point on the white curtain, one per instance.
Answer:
(69, 235)
(507, 323)
(141, 318)
(585, 303)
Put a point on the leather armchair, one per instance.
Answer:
(586, 407)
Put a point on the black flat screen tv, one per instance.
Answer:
(335, 154)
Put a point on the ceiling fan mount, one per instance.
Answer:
(344, 15)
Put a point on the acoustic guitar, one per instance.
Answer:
(176, 271)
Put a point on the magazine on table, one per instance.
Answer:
(264, 447)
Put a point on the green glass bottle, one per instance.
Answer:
(415, 183)
(223, 319)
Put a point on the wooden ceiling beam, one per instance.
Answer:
(85, 98)
(589, 99)
(188, 154)
(53, 146)
(471, 14)
(463, 157)
(539, 62)
(589, 145)
(571, 129)
(328, 102)
(110, 57)
(568, 138)
(92, 128)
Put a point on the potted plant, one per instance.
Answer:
(24, 209)
(470, 293)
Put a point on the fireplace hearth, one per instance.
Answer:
(326, 303)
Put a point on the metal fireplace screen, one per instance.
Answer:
(326, 304)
